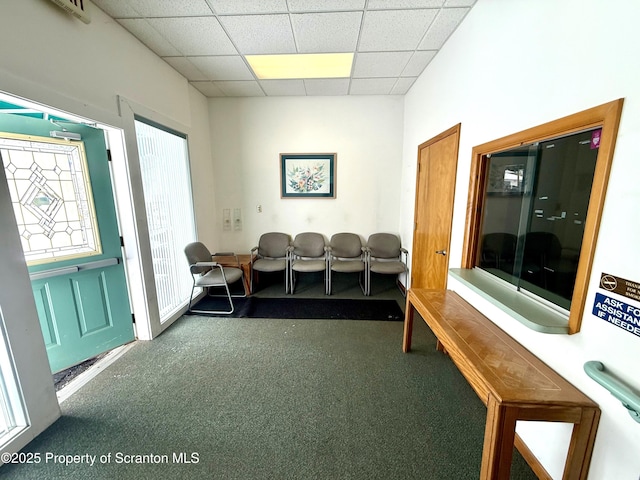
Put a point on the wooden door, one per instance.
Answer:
(435, 188)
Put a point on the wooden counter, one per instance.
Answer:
(512, 382)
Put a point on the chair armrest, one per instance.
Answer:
(202, 267)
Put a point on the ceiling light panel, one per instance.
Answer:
(326, 32)
(380, 64)
(195, 35)
(236, 7)
(260, 34)
(443, 26)
(309, 65)
(325, 5)
(392, 30)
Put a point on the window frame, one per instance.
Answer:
(605, 116)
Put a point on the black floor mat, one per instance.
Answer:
(305, 308)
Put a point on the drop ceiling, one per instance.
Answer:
(206, 40)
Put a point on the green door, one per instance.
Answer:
(63, 200)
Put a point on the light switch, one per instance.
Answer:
(237, 219)
(226, 219)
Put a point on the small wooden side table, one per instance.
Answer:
(228, 260)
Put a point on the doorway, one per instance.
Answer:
(62, 197)
(435, 189)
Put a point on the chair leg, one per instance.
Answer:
(224, 312)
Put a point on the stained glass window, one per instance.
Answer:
(51, 194)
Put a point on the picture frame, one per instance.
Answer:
(308, 175)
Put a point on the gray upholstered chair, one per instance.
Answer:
(386, 256)
(345, 254)
(271, 255)
(307, 254)
(207, 273)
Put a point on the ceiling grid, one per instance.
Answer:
(206, 40)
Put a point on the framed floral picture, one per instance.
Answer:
(308, 175)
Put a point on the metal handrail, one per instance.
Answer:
(630, 400)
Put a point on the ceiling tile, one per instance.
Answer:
(205, 40)
(223, 67)
(117, 8)
(325, 5)
(327, 32)
(231, 7)
(208, 89)
(240, 89)
(195, 35)
(394, 4)
(327, 86)
(148, 35)
(392, 30)
(283, 87)
(372, 86)
(442, 27)
(380, 64)
(459, 3)
(403, 85)
(417, 63)
(156, 8)
(256, 34)
(186, 68)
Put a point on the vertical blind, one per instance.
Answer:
(164, 164)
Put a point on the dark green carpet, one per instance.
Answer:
(304, 308)
(274, 399)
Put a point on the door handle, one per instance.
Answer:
(441, 252)
(75, 268)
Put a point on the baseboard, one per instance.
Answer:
(531, 459)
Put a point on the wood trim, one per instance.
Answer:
(606, 116)
(440, 136)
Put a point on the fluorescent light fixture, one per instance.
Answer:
(308, 65)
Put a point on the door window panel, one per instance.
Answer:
(51, 195)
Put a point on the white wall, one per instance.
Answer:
(514, 65)
(248, 134)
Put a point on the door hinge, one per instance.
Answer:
(133, 318)
(109, 155)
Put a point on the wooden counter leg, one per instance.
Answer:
(581, 446)
(499, 437)
(408, 326)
